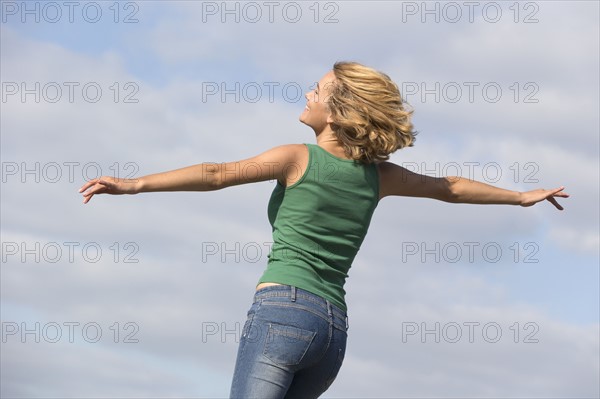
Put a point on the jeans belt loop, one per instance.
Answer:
(293, 293)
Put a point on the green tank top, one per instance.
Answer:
(319, 224)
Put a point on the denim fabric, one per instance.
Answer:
(292, 345)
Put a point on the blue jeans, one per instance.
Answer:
(292, 345)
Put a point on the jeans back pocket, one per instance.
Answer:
(287, 345)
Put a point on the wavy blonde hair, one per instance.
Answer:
(369, 115)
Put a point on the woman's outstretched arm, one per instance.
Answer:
(277, 163)
(396, 180)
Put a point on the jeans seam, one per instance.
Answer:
(336, 369)
(340, 325)
(330, 328)
(251, 319)
(297, 306)
(308, 297)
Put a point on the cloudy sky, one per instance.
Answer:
(144, 296)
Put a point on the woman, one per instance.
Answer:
(294, 339)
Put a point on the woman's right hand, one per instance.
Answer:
(108, 185)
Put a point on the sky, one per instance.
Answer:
(144, 296)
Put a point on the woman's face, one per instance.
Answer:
(316, 114)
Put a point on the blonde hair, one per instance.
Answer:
(369, 116)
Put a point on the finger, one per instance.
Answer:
(97, 189)
(87, 197)
(555, 203)
(94, 182)
(556, 190)
(89, 193)
(88, 185)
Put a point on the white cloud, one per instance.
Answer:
(576, 240)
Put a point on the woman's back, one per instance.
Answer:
(319, 223)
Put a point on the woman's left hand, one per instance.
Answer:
(529, 198)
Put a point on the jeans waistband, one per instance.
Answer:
(322, 305)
